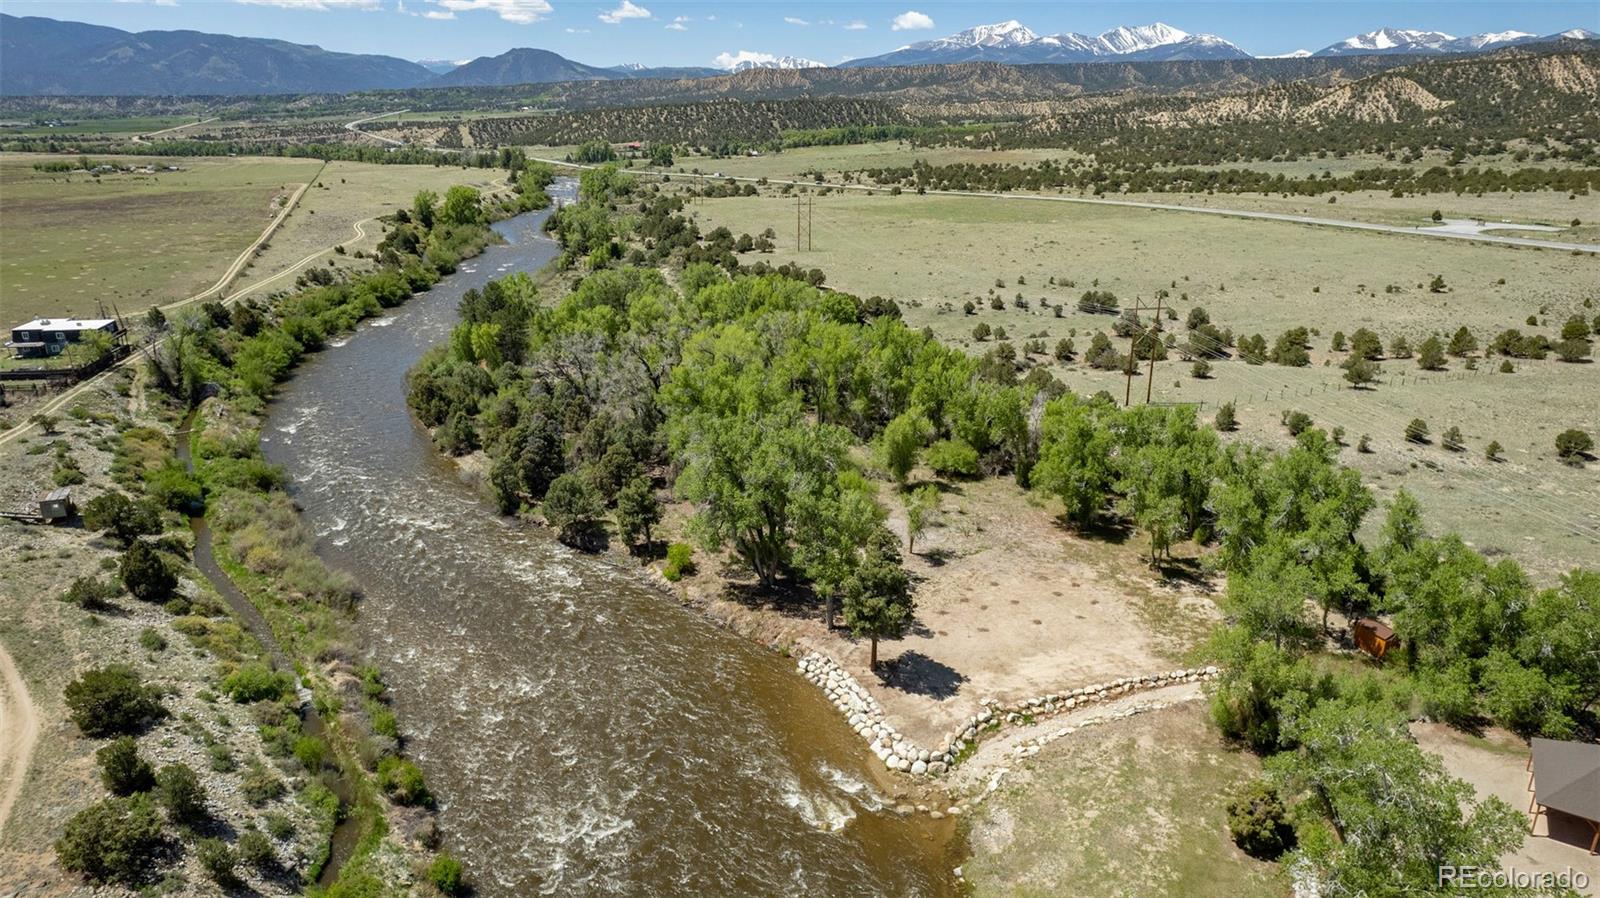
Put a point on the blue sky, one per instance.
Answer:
(660, 32)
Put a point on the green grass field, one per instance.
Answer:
(932, 254)
(72, 240)
(112, 127)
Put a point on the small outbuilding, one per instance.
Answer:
(56, 505)
(1565, 777)
(1374, 637)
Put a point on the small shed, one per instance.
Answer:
(56, 505)
(1375, 637)
(1566, 779)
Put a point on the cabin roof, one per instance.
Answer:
(1567, 777)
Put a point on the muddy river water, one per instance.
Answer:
(584, 734)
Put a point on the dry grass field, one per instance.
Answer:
(69, 241)
(932, 254)
(72, 240)
(1131, 808)
(349, 194)
(1547, 208)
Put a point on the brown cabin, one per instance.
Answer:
(1374, 637)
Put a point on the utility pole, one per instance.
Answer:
(802, 223)
(1150, 384)
(1133, 353)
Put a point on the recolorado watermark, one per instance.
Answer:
(1511, 877)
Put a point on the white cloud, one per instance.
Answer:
(911, 20)
(679, 24)
(794, 21)
(857, 25)
(316, 5)
(520, 12)
(443, 14)
(628, 10)
(577, 31)
(729, 60)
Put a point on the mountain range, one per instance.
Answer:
(41, 56)
(1014, 43)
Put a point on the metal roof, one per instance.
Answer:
(1567, 777)
(58, 494)
(66, 324)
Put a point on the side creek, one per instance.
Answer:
(585, 734)
(345, 832)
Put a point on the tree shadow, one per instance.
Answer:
(1115, 531)
(917, 673)
(937, 557)
(1186, 570)
(786, 596)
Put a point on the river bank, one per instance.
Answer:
(341, 805)
(581, 735)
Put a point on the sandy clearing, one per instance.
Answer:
(1010, 605)
(19, 732)
(1496, 765)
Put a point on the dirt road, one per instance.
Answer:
(19, 731)
(233, 271)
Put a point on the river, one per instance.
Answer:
(584, 734)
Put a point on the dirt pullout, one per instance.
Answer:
(1010, 605)
(19, 731)
(1496, 764)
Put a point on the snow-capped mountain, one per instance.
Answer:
(1488, 39)
(629, 67)
(1013, 42)
(440, 66)
(781, 62)
(1123, 40)
(1388, 40)
(1004, 34)
(1401, 40)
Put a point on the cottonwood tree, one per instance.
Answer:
(903, 438)
(1074, 459)
(1355, 757)
(746, 475)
